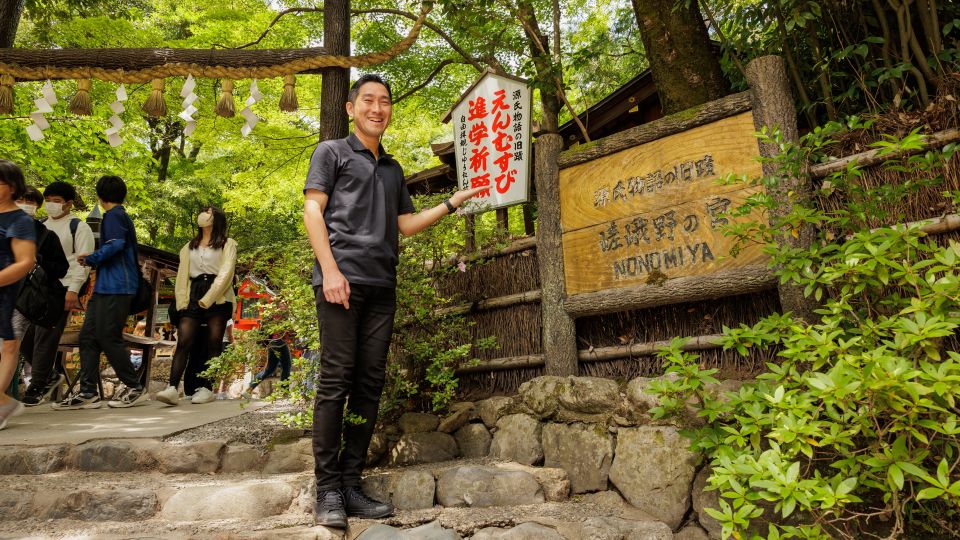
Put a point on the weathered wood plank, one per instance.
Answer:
(675, 123)
(501, 364)
(492, 303)
(698, 343)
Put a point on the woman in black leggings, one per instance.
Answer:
(204, 292)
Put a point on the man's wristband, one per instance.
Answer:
(450, 208)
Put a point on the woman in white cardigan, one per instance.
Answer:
(204, 294)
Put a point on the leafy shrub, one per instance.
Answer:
(853, 432)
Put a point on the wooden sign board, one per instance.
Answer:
(655, 211)
(491, 136)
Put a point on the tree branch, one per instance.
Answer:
(436, 71)
(276, 20)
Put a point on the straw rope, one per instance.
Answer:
(182, 69)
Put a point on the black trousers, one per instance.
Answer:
(353, 362)
(39, 348)
(199, 354)
(103, 332)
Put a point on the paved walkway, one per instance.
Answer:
(42, 425)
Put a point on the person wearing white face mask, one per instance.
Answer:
(39, 346)
(204, 294)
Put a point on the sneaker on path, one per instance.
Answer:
(37, 394)
(203, 395)
(8, 410)
(357, 504)
(170, 396)
(328, 510)
(128, 398)
(78, 401)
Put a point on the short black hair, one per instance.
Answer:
(32, 194)
(12, 175)
(364, 79)
(61, 189)
(111, 189)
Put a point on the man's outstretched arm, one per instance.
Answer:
(411, 224)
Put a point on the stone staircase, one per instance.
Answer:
(563, 462)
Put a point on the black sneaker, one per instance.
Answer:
(32, 397)
(78, 401)
(37, 394)
(359, 505)
(328, 510)
(128, 398)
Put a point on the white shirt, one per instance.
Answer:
(205, 260)
(77, 274)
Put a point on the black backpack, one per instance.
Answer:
(41, 295)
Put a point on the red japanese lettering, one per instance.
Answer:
(499, 124)
(478, 108)
(498, 102)
(477, 133)
(502, 142)
(480, 181)
(478, 160)
(503, 161)
(505, 180)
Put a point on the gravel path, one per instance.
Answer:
(261, 428)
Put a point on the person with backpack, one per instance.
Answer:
(40, 344)
(17, 257)
(118, 278)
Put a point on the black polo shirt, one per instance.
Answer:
(366, 196)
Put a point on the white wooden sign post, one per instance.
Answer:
(491, 137)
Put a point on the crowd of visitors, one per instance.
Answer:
(60, 250)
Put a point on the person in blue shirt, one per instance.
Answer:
(107, 311)
(17, 256)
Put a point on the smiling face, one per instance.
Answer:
(371, 110)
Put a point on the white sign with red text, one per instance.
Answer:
(491, 137)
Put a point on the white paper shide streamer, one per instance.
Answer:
(247, 112)
(189, 109)
(113, 132)
(44, 106)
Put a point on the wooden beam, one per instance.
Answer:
(518, 245)
(501, 364)
(873, 157)
(744, 280)
(709, 112)
(492, 303)
(698, 343)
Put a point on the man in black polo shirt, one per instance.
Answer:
(356, 204)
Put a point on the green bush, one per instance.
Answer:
(853, 432)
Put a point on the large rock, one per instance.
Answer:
(291, 533)
(96, 505)
(491, 409)
(554, 482)
(542, 395)
(15, 504)
(114, 455)
(691, 532)
(589, 395)
(32, 460)
(379, 531)
(239, 458)
(289, 458)
(414, 490)
(612, 528)
(418, 423)
(195, 457)
(706, 499)
(379, 486)
(518, 439)
(428, 447)
(473, 440)
(252, 501)
(524, 531)
(585, 451)
(456, 420)
(487, 486)
(654, 470)
(377, 448)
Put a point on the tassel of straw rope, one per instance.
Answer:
(288, 101)
(156, 105)
(81, 103)
(6, 94)
(225, 105)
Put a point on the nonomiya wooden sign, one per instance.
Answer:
(655, 211)
(491, 138)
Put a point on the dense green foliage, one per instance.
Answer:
(854, 429)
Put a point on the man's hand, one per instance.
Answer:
(82, 259)
(71, 301)
(336, 289)
(459, 197)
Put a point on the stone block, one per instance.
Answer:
(252, 501)
(289, 458)
(554, 482)
(585, 451)
(518, 438)
(418, 423)
(473, 440)
(239, 458)
(490, 410)
(194, 457)
(423, 447)
(32, 460)
(414, 490)
(487, 486)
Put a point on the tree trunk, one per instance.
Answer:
(773, 108)
(685, 68)
(336, 81)
(10, 11)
